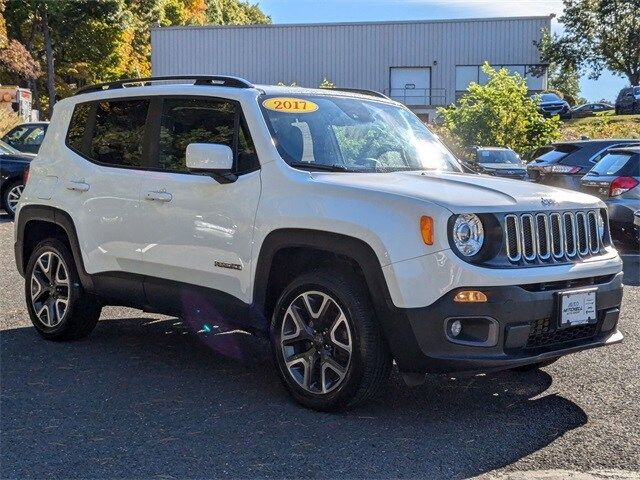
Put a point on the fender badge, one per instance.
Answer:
(232, 266)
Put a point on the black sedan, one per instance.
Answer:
(501, 162)
(551, 105)
(12, 170)
(591, 109)
(564, 164)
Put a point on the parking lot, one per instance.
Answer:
(144, 397)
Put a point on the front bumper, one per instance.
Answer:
(525, 322)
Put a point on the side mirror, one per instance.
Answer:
(212, 159)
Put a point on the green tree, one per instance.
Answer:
(235, 12)
(598, 34)
(499, 114)
(566, 80)
(74, 41)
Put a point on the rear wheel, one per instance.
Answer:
(59, 307)
(10, 197)
(327, 345)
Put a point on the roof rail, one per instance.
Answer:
(362, 91)
(214, 80)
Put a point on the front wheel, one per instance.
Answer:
(327, 345)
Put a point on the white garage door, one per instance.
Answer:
(411, 85)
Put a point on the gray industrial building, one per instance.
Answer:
(424, 64)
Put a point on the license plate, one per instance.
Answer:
(577, 307)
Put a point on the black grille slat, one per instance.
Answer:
(569, 235)
(556, 235)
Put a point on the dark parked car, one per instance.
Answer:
(628, 101)
(26, 137)
(502, 162)
(616, 179)
(567, 162)
(12, 167)
(590, 109)
(551, 104)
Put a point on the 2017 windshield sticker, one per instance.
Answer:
(290, 105)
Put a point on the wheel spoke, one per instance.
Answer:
(329, 363)
(307, 360)
(315, 313)
(61, 278)
(340, 323)
(300, 333)
(60, 308)
(44, 265)
(36, 288)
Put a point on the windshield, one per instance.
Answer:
(550, 97)
(351, 134)
(498, 156)
(7, 149)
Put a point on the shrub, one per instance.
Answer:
(499, 114)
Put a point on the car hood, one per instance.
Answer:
(462, 193)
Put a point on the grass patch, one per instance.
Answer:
(605, 125)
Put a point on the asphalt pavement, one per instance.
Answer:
(144, 397)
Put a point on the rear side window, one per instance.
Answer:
(618, 164)
(109, 132)
(78, 127)
(201, 120)
(118, 132)
(559, 152)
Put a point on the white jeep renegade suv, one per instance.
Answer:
(331, 221)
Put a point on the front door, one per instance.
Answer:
(411, 85)
(199, 232)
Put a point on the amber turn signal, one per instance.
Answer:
(426, 229)
(470, 296)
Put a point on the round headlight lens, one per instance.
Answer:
(468, 234)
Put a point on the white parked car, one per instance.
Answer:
(332, 222)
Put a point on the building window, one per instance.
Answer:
(535, 76)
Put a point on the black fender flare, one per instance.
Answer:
(55, 216)
(354, 248)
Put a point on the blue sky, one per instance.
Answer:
(312, 11)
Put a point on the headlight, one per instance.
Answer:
(601, 226)
(468, 234)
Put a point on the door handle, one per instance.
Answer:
(78, 186)
(159, 196)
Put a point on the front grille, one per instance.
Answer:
(554, 236)
(543, 334)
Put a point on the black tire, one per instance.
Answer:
(370, 362)
(536, 366)
(5, 196)
(82, 309)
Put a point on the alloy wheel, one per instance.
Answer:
(316, 342)
(13, 196)
(50, 289)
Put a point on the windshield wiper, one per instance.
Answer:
(320, 166)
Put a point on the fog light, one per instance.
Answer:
(456, 328)
(470, 296)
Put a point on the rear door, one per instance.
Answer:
(198, 231)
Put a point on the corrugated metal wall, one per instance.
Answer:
(350, 55)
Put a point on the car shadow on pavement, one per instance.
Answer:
(144, 397)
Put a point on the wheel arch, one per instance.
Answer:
(288, 245)
(37, 222)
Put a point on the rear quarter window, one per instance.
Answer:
(618, 163)
(78, 127)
